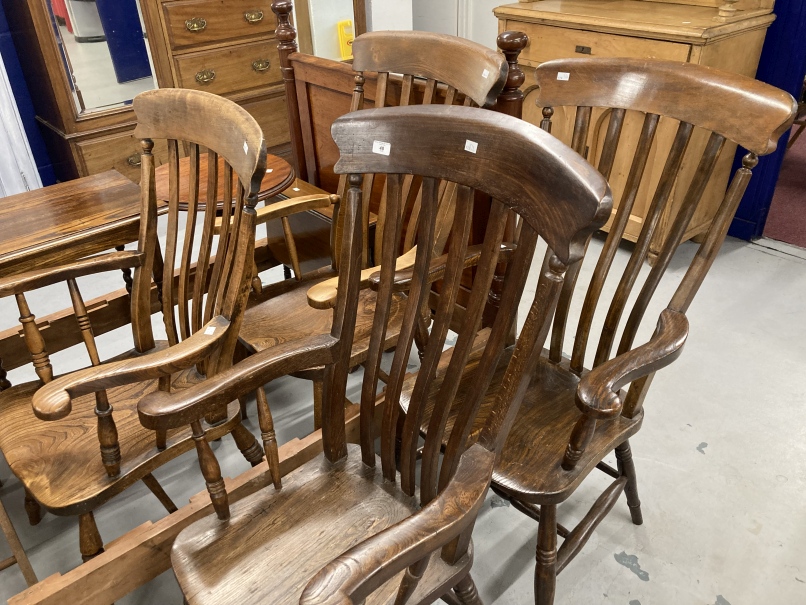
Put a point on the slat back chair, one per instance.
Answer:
(201, 341)
(738, 109)
(446, 67)
(560, 198)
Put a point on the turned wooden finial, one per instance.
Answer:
(285, 32)
(510, 101)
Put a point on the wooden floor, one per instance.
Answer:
(711, 533)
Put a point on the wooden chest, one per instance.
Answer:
(634, 28)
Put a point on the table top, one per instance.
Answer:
(67, 220)
(279, 175)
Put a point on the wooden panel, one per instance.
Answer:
(547, 43)
(120, 152)
(196, 22)
(230, 70)
(271, 115)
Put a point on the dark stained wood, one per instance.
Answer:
(573, 414)
(341, 529)
(59, 461)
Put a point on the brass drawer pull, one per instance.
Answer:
(583, 50)
(196, 24)
(134, 160)
(205, 76)
(261, 65)
(253, 16)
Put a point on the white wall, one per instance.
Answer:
(390, 14)
(436, 16)
(472, 19)
(325, 14)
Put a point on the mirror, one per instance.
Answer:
(104, 49)
(326, 28)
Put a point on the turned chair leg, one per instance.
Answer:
(33, 509)
(627, 469)
(248, 445)
(546, 556)
(466, 592)
(318, 391)
(89, 538)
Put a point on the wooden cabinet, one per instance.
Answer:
(693, 32)
(226, 47)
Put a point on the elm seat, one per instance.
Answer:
(64, 471)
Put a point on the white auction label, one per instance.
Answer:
(381, 148)
(245, 147)
(471, 146)
(210, 331)
(563, 75)
(485, 73)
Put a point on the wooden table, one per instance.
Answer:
(63, 223)
(279, 176)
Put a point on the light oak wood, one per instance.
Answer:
(217, 21)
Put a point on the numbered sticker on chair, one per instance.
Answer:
(381, 148)
(563, 75)
(485, 73)
(245, 147)
(471, 146)
(210, 331)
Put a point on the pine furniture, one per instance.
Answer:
(576, 412)
(47, 432)
(342, 529)
(701, 32)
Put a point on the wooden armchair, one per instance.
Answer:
(437, 69)
(53, 449)
(574, 415)
(348, 527)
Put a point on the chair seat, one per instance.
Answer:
(287, 317)
(59, 461)
(277, 540)
(529, 468)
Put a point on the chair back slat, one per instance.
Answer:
(169, 258)
(666, 183)
(611, 141)
(614, 236)
(202, 277)
(581, 125)
(439, 331)
(704, 171)
(184, 290)
(224, 235)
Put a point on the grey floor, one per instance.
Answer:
(721, 461)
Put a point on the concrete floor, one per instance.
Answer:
(721, 460)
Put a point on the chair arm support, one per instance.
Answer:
(401, 281)
(39, 278)
(54, 400)
(323, 294)
(597, 393)
(290, 206)
(354, 575)
(159, 410)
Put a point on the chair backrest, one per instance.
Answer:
(709, 109)
(558, 197)
(201, 282)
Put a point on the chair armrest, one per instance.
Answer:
(54, 400)
(288, 207)
(597, 393)
(323, 294)
(354, 575)
(161, 410)
(39, 278)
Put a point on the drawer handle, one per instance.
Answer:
(196, 24)
(253, 16)
(134, 160)
(261, 65)
(205, 76)
(583, 50)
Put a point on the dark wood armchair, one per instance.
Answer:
(48, 427)
(389, 68)
(574, 414)
(349, 527)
